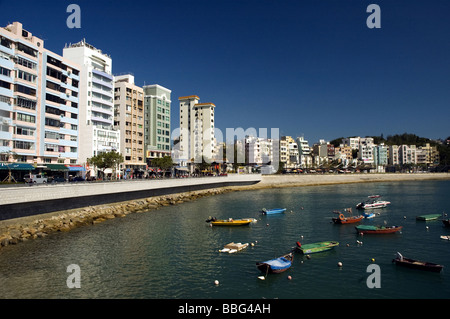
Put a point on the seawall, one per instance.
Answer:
(23, 201)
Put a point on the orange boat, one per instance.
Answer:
(342, 219)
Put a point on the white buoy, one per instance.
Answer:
(216, 282)
(340, 264)
(289, 277)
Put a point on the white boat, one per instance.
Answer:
(372, 202)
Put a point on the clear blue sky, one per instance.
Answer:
(307, 67)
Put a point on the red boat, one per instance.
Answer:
(342, 219)
(368, 229)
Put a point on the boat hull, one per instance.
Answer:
(226, 222)
(347, 220)
(378, 230)
(417, 264)
(274, 211)
(317, 247)
(428, 217)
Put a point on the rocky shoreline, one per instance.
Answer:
(21, 229)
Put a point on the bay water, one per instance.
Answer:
(172, 253)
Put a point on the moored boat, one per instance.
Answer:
(428, 217)
(342, 219)
(316, 247)
(372, 202)
(369, 215)
(233, 247)
(417, 264)
(369, 229)
(273, 211)
(230, 221)
(276, 265)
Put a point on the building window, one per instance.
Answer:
(25, 118)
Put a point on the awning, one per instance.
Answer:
(180, 168)
(16, 166)
(57, 167)
(75, 168)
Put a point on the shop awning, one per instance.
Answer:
(76, 168)
(181, 168)
(56, 167)
(16, 166)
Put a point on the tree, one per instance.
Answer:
(106, 160)
(163, 163)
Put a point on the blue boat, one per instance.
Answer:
(369, 215)
(276, 265)
(273, 211)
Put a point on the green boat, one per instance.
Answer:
(316, 247)
(428, 217)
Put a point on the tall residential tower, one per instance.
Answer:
(196, 129)
(157, 121)
(96, 108)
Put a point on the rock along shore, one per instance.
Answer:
(21, 229)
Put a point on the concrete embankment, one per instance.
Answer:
(22, 201)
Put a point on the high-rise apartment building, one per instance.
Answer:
(96, 105)
(196, 129)
(129, 120)
(39, 101)
(157, 105)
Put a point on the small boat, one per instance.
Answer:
(276, 265)
(233, 247)
(417, 264)
(369, 215)
(372, 202)
(428, 217)
(230, 221)
(273, 211)
(342, 219)
(369, 229)
(316, 247)
(445, 237)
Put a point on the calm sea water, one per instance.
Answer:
(173, 253)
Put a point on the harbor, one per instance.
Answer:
(172, 253)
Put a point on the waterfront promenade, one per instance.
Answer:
(21, 201)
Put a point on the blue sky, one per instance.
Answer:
(310, 68)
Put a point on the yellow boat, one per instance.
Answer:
(230, 221)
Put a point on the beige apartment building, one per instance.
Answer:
(196, 130)
(129, 120)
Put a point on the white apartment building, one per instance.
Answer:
(353, 142)
(304, 152)
(258, 150)
(96, 98)
(365, 153)
(196, 130)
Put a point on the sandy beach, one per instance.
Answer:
(269, 181)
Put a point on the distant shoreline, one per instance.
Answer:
(278, 181)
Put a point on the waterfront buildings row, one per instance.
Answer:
(351, 152)
(65, 109)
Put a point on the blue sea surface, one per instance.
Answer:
(172, 253)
